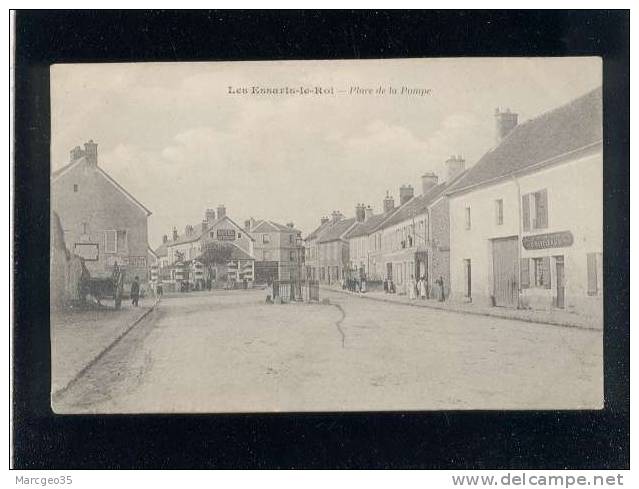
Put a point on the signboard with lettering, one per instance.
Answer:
(88, 251)
(226, 234)
(561, 239)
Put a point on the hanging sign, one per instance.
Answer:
(226, 234)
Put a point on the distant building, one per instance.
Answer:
(184, 255)
(328, 259)
(101, 222)
(526, 221)
(277, 248)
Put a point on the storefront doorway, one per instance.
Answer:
(505, 272)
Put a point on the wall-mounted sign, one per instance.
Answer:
(226, 234)
(561, 239)
(88, 251)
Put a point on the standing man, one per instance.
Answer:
(135, 291)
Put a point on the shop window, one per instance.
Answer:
(499, 211)
(541, 272)
(467, 217)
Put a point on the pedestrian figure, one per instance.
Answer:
(363, 286)
(422, 288)
(440, 284)
(135, 291)
(391, 286)
(159, 290)
(411, 288)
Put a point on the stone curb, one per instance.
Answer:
(57, 394)
(465, 311)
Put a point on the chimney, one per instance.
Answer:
(504, 123)
(389, 203)
(290, 225)
(360, 212)
(368, 213)
(91, 152)
(165, 238)
(406, 193)
(209, 215)
(76, 153)
(336, 216)
(323, 220)
(221, 211)
(454, 166)
(175, 234)
(247, 225)
(429, 180)
(205, 226)
(188, 230)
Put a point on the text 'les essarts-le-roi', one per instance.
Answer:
(329, 90)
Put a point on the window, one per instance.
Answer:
(85, 228)
(110, 241)
(266, 238)
(499, 211)
(467, 217)
(541, 272)
(239, 235)
(292, 255)
(75, 187)
(266, 256)
(291, 239)
(539, 212)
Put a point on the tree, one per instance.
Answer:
(216, 253)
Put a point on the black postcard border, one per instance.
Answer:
(429, 440)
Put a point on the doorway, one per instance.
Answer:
(468, 278)
(505, 272)
(560, 300)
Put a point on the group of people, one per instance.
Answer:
(354, 284)
(418, 288)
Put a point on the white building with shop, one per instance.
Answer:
(526, 222)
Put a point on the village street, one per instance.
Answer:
(230, 352)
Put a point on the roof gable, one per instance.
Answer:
(65, 169)
(337, 230)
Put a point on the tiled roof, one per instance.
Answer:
(336, 230)
(273, 225)
(367, 227)
(568, 128)
(161, 250)
(317, 231)
(416, 205)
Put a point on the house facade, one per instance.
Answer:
(278, 250)
(182, 258)
(526, 222)
(101, 221)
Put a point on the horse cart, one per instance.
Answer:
(106, 287)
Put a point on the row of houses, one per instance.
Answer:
(523, 227)
(218, 251)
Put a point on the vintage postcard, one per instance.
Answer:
(401, 234)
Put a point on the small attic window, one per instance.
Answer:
(75, 187)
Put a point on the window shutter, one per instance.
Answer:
(525, 209)
(524, 273)
(541, 211)
(592, 273)
(545, 266)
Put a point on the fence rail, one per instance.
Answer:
(296, 290)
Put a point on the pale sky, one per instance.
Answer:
(173, 136)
